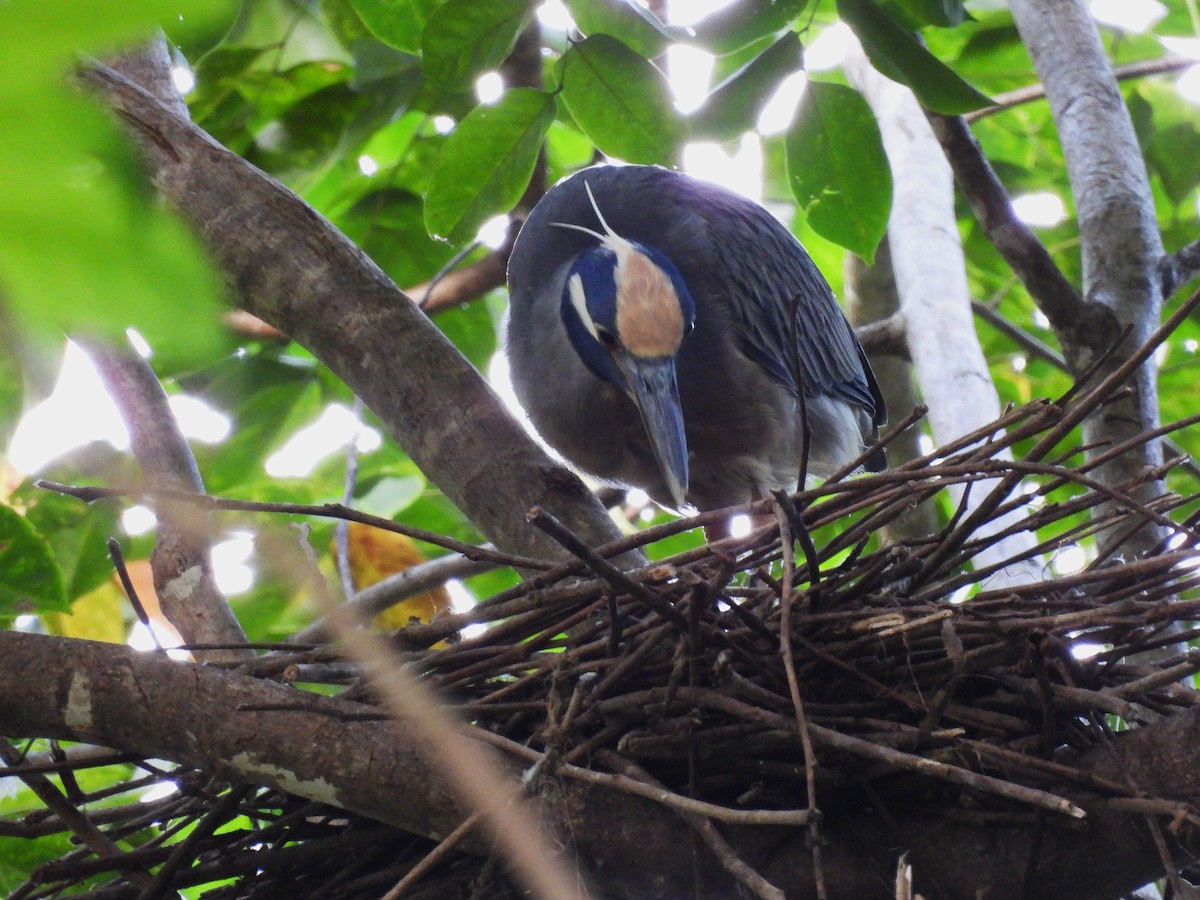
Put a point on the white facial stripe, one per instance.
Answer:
(579, 301)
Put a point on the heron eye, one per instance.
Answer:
(606, 337)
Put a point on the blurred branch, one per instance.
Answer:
(480, 777)
(886, 337)
(930, 274)
(871, 296)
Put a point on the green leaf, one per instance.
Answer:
(739, 24)
(733, 105)
(30, 579)
(77, 533)
(918, 13)
(487, 163)
(837, 168)
(628, 21)
(398, 23)
(465, 38)
(1174, 153)
(620, 101)
(899, 55)
(86, 246)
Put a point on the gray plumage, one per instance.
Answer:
(736, 369)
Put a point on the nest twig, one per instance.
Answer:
(738, 682)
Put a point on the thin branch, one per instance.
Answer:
(418, 579)
(1123, 73)
(734, 864)
(458, 286)
(88, 834)
(1043, 351)
(1178, 268)
(89, 494)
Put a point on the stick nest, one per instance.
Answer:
(761, 677)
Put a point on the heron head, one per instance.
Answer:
(627, 311)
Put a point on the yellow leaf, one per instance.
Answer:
(376, 554)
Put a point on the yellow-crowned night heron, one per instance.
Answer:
(650, 344)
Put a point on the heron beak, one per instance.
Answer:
(654, 390)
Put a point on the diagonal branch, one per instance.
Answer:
(183, 574)
(1030, 260)
(1178, 268)
(1123, 73)
(292, 269)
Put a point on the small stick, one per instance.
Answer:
(434, 856)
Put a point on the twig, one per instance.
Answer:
(734, 865)
(1037, 91)
(779, 817)
(434, 856)
(801, 723)
(602, 567)
(89, 835)
(118, 557)
(89, 494)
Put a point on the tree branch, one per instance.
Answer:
(181, 563)
(1030, 260)
(296, 272)
(1178, 268)
(871, 296)
(1037, 91)
(1118, 229)
(344, 754)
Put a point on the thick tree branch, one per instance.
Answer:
(296, 272)
(344, 754)
(1120, 242)
(183, 575)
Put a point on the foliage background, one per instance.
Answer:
(368, 110)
